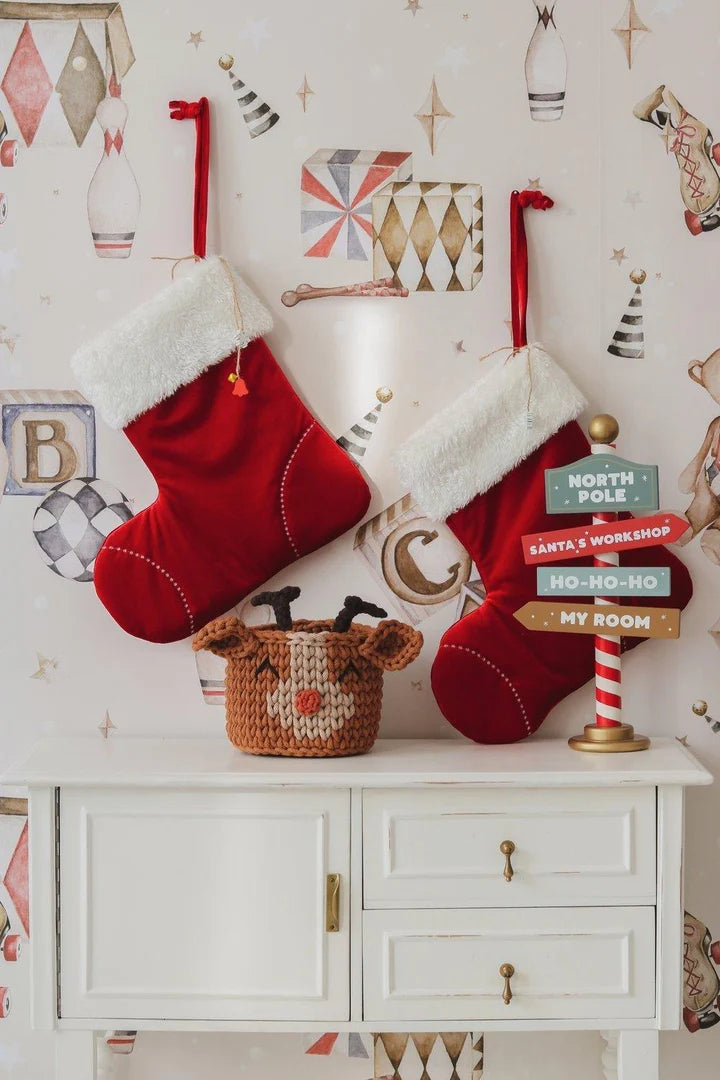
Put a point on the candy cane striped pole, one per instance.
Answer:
(608, 675)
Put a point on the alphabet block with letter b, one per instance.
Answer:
(49, 437)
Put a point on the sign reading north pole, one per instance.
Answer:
(601, 482)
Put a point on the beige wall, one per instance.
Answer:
(370, 66)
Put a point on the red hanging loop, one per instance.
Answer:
(199, 111)
(519, 200)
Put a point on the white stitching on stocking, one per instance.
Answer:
(503, 676)
(282, 489)
(181, 594)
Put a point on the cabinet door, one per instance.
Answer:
(203, 904)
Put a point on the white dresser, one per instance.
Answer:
(430, 885)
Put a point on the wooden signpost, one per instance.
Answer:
(603, 484)
(648, 622)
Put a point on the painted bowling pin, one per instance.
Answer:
(113, 199)
(546, 66)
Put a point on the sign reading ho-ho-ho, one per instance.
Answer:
(601, 482)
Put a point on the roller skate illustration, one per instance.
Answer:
(697, 155)
(8, 147)
(10, 944)
(701, 991)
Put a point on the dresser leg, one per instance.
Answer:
(75, 1055)
(631, 1055)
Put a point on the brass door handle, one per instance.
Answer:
(507, 848)
(506, 972)
(332, 903)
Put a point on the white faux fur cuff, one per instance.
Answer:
(484, 434)
(167, 342)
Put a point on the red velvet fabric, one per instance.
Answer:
(494, 680)
(246, 486)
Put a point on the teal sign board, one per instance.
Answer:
(601, 482)
(603, 581)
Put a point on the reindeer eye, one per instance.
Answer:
(266, 666)
(348, 670)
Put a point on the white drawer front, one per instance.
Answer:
(203, 904)
(438, 847)
(569, 964)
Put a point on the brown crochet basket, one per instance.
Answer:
(307, 688)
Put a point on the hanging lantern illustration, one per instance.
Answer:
(628, 341)
(356, 441)
(257, 114)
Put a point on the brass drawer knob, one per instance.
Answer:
(507, 848)
(506, 972)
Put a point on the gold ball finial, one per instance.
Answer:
(384, 394)
(226, 61)
(603, 428)
(700, 707)
(637, 276)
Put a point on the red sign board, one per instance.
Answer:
(598, 539)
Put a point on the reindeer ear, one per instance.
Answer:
(392, 645)
(226, 637)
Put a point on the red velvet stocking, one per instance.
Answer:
(479, 465)
(248, 480)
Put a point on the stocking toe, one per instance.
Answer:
(125, 576)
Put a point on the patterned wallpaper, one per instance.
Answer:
(367, 149)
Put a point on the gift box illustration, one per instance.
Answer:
(337, 187)
(429, 236)
(55, 64)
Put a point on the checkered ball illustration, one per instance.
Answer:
(72, 522)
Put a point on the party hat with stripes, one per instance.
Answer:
(356, 441)
(257, 114)
(628, 341)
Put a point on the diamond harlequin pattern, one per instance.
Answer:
(26, 85)
(428, 1056)
(337, 187)
(73, 521)
(81, 90)
(16, 880)
(429, 236)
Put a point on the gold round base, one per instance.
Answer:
(609, 740)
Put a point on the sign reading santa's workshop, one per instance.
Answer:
(601, 482)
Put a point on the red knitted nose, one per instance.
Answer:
(308, 702)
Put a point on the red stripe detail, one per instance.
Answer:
(363, 223)
(312, 186)
(326, 243)
(372, 180)
(605, 698)
(324, 1044)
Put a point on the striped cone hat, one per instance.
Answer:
(356, 441)
(628, 341)
(257, 114)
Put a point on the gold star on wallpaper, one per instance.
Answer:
(46, 666)
(45, 299)
(633, 199)
(304, 93)
(682, 739)
(618, 256)
(8, 340)
(459, 346)
(630, 27)
(107, 726)
(433, 116)
(534, 184)
(413, 6)
(196, 39)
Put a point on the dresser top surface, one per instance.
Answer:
(213, 762)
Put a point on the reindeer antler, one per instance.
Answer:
(355, 606)
(280, 602)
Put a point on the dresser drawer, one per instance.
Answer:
(569, 963)
(440, 847)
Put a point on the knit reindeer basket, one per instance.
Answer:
(307, 688)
